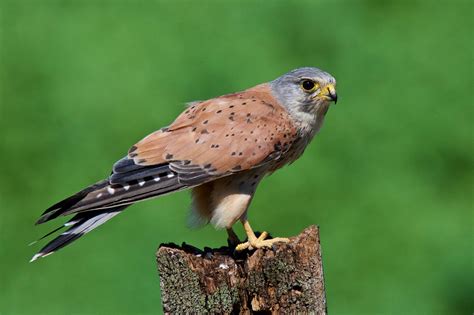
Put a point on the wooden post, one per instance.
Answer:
(285, 279)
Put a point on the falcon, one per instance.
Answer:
(220, 149)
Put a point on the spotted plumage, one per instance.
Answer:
(220, 148)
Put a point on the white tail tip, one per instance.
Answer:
(36, 257)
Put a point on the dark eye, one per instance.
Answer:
(308, 86)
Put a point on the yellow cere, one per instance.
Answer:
(328, 88)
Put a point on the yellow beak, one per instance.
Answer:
(329, 92)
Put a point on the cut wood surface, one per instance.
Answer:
(287, 278)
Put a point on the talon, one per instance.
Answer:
(261, 243)
(270, 242)
(255, 243)
(242, 246)
(262, 236)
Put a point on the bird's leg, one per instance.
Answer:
(254, 242)
(233, 238)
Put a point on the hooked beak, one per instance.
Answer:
(329, 92)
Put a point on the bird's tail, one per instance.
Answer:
(94, 205)
(82, 223)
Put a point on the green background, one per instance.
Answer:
(389, 179)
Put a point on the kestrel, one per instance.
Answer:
(220, 149)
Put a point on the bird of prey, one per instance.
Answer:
(220, 149)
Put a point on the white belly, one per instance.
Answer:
(224, 201)
(229, 209)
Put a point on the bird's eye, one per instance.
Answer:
(309, 86)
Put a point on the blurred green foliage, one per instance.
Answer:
(388, 180)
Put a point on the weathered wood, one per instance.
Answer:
(285, 279)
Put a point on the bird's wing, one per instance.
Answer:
(127, 184)
(220, 136)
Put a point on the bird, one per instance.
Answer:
(220, 149)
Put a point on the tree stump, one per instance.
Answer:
(287, 278)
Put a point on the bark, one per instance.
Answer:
(287, 278)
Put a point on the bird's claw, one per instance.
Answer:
(260, 242)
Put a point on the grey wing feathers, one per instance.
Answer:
(58, 208)
(192, 175)
(125, 170)
(127, 184)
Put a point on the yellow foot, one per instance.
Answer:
(255, 243)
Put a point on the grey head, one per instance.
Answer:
(305, 90)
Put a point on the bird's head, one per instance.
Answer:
(305, 90)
